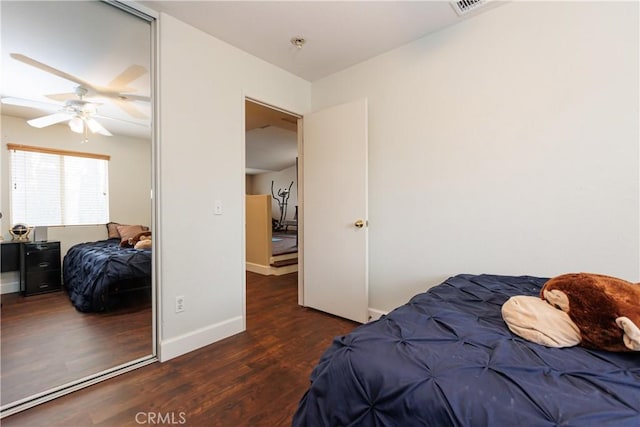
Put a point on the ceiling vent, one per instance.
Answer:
(462, 7)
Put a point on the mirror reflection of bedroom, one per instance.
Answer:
(76, 179)
(271, 144)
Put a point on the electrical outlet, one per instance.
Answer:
(179, 304)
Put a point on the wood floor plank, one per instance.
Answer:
(255, 378)
(46, 342)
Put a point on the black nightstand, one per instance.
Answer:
(40, 267)
(10, 258)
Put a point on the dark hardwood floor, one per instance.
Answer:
(46, 342)
(255, 378)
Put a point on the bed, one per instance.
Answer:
(446, 358)
(95, 271)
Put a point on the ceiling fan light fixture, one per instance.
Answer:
(76, 124)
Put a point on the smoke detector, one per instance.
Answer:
(298, 42)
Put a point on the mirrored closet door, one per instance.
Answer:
(77, 149)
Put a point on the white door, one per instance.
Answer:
(334, 223)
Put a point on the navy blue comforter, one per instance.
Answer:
(91, 270)
(446, 358)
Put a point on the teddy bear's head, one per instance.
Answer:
(141, 240)
(597, 304)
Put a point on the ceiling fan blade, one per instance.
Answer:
(132, 73)
(96, 127)
(21, 102)
(133, 97)
(113, 119)
(62, 97)
(100, 96)
(130, 109)
(49, 69)
(49, 120)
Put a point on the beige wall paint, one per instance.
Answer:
(258, 229)
(506, 144)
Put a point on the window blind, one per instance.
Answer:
(50, 187)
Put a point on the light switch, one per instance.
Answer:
(217, 207)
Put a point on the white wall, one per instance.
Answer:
(261, 184)
(507, 144)
(129, 179)
(203, 82)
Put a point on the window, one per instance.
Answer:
(54, 187)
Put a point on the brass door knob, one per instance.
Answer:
(359, 223)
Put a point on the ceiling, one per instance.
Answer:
(338, 34)
(271, 139)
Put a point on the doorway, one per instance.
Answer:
(333, 272)
(271, 190)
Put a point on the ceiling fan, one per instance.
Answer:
(80, 114)
(116, 91)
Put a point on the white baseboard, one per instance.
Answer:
(265, 270)
(186, 343)
(10, 282)
(375, 314)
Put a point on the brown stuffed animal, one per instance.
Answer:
(144, 242)
(141, 240)
(605, 309)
